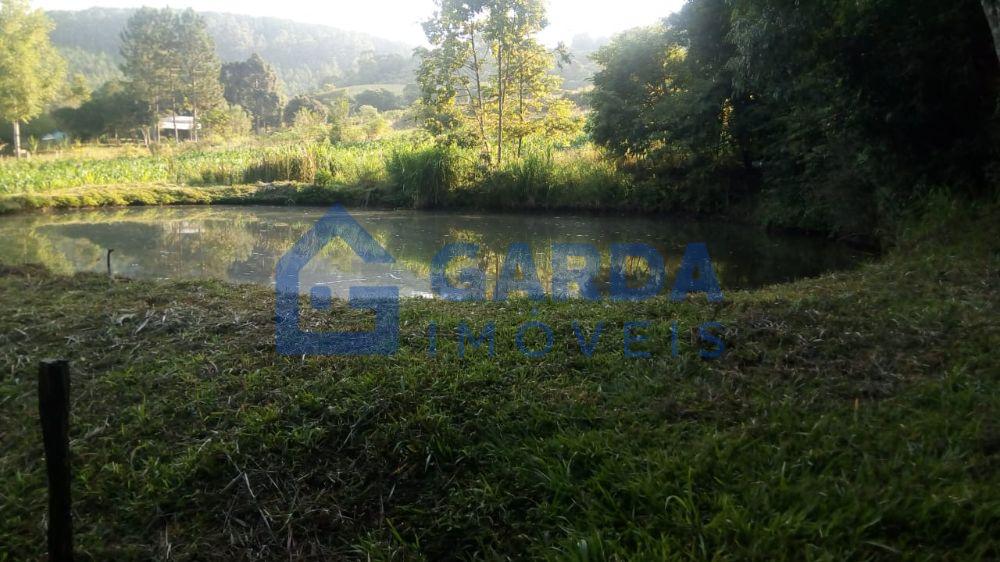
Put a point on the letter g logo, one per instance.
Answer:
(290, 338)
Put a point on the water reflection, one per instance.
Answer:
(243, 244)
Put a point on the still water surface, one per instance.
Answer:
(243, 244)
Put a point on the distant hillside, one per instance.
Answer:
(304, 55)
(578, 74)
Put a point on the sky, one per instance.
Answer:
(399, 20)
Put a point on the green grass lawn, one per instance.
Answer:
(853, 416)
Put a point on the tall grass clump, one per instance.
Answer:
(556, 179)
(284, 163)
(586, 178)
(519, 183)
(426, 176)
(362, 165)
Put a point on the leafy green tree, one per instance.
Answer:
(485, 71)
(299, 103)
(666, 93)
(77, 91)
(253, 85)
(31, 71)
(338, 116)
(229, 122)
(308, 127)
(170, 62)
(371, 122)
(632, 77)
(380, 99)
(112, 110)
(533, 89)
(563, 122)
(829, 116)
(865, 106)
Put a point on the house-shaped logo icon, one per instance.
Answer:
(290, 338)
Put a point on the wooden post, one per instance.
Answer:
(109, 263)
(53, 408)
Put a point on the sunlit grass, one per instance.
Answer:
(853, 417)
(395, 172)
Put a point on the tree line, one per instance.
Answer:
(169, 69)
(304, 56)
(829, 116)
(833, 116)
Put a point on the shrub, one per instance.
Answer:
(425, 176)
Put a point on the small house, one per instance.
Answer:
(179, 123)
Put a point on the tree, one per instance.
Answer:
(380, 99)
(76, 92)
(149, 66)
(253, 85)
(632, 76)
(563, 122)
(299, 103)
(31, 71)
(170, 62)
(308, 127)
(863, 105)
(485, 66)
(373, 124)
(338, 116)
(826, 116)
(229, 122)
(537, 107)
(112, 110)
(199, 67)
(992, 9)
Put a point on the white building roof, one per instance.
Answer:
(181, 123)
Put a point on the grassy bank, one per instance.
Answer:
(852, 417)
(162, 194)
(398, 173)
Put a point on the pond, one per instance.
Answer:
(244, 244)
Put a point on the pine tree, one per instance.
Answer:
(199, 67)
(170, 63)
(145, 49)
